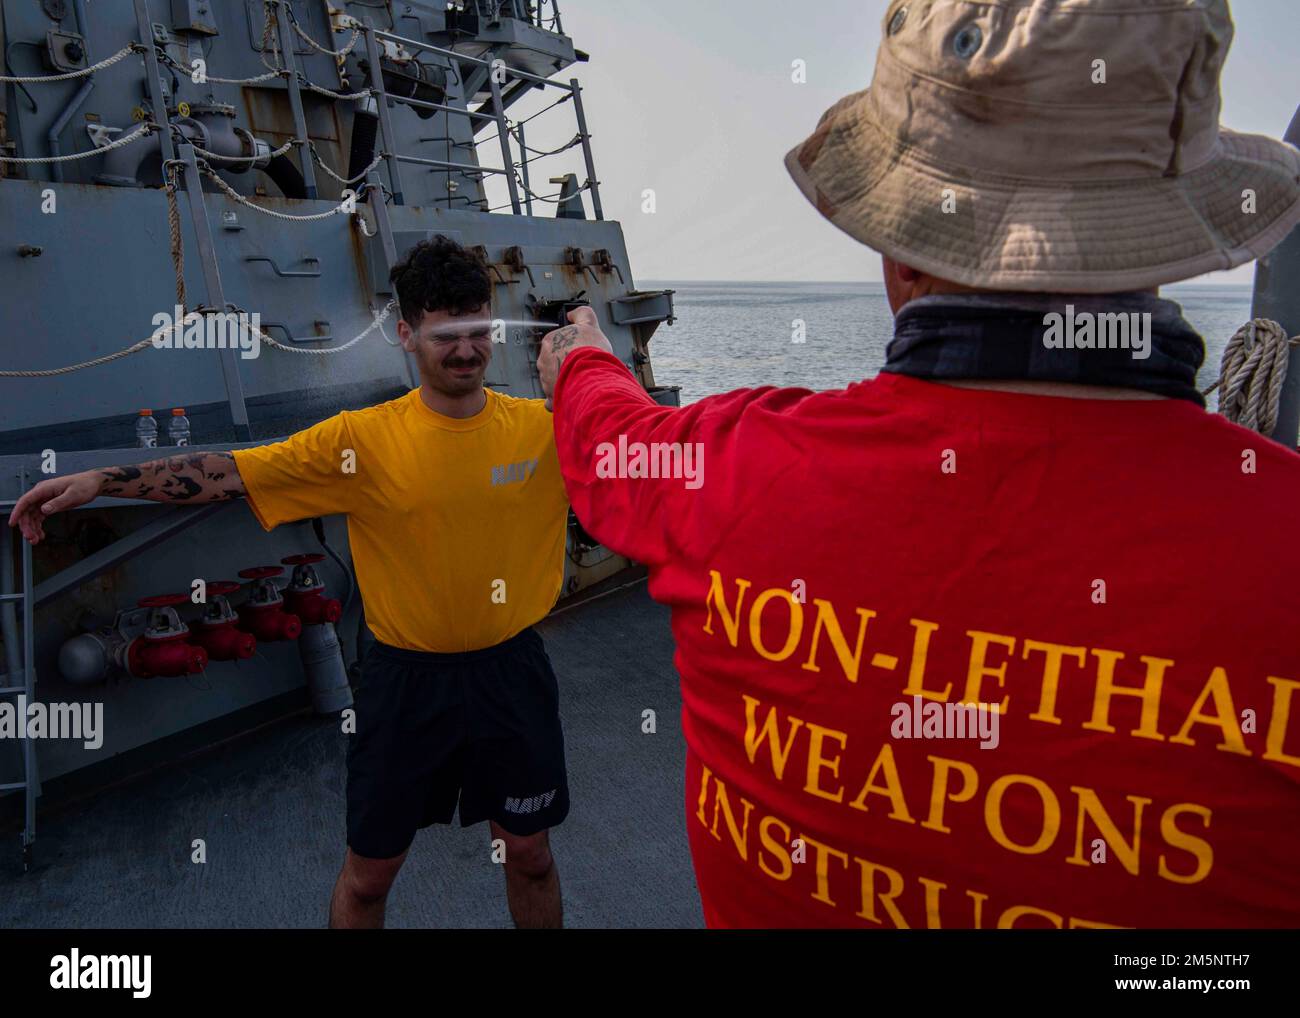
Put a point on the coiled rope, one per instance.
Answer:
(269, 37)
(174, 230)
(1251, 374)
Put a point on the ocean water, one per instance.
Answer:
(737, 335)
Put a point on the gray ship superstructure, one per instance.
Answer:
(240, 158)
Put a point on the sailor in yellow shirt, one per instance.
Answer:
(456, 520)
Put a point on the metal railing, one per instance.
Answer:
(489, 72)
(543, 14)
(498, 74)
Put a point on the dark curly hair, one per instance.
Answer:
(440, 275)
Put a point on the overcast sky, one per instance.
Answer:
(694, 99)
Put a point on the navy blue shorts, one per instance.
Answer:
(480, 730)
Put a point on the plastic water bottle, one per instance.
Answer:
(146, 430)
(178, 428)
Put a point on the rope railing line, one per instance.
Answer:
(156, 337)
(330, 172)
(347, 48)
(550, 106)
(180, 68)
(39, 79)
(341, 208)
(272, 154)
(553, 199)
(539, 154)
(126, 139)
(148, 341)
(378, 323)
(246, 81)
(1251, 374)
(363, 94)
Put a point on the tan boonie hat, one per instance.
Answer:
(1064, 145)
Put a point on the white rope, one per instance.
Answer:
(356, 34)
(44, 78)
(576, 140)
(275, 154)
(553, 199)
(244, 81)
(126, 139)
(161, 331)
(1251, 374)
(189, 72)
(232, 193)
(378, 323)
(133, 348)
(337, 95)
(351, 180)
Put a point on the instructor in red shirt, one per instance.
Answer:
(1006, 635)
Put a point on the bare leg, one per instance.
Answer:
(532, 881)
(362, 891)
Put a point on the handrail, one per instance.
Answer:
(279, 27)
(426, 105)
(443, 164)
(425, 47)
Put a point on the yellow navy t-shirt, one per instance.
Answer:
(457, 526)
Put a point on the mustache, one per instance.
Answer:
(462, 362)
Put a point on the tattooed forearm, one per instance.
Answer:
(180, 488)
(121, 474)
(564, 340)
(193, 477)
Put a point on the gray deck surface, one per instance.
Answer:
(270, 808)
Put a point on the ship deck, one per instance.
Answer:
(270, 809)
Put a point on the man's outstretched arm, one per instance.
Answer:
(636, 472)
(189, 478)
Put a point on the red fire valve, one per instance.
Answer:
(226, 642)
(218, 631)
(165, 648)
(270, 623)
(175, 656)
(312, 607)
(264, 615)
(305, 595)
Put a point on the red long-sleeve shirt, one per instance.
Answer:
(1117, 579)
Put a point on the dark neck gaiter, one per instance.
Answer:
(1044, 338)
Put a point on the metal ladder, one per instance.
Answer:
(19, 677)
